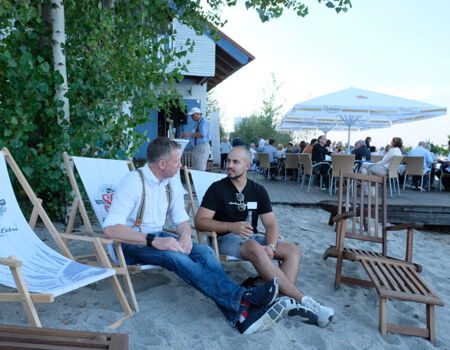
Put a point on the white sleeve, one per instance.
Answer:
(177, 210)
(126, 197)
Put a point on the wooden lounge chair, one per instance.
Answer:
(393, 278)
(362, 216)
(19, 337)
(100, 178)
(27, 264)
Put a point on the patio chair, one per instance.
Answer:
(309, 169)
(264, 163)
(292, 161)
(376, 158)
(100, 178)
(362, 216)
(414, 167)
(392, 172)
(27, 264)
(340, 162)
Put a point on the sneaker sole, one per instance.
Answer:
(302, 315)
(268, 319)
(323, 325)
(275, 295)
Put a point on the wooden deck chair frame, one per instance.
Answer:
(114, 247)
(23, 295)
(354, 205)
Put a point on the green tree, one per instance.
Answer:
(263, 122)
(118, 53)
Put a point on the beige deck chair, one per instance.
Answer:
(414, 167)
(264, 162)
(292, 161)
(201, 181)
(340, 162)
(27, 264)
(362, 216)
(100, 178)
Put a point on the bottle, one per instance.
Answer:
(249, 217)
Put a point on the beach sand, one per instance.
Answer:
(173, 315)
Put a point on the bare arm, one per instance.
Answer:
(270, 224)
(204, 222)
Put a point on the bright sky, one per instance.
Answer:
(398, 47)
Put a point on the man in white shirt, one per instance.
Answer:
(144, 242)
(261, 143)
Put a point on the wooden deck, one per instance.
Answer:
(431, 208)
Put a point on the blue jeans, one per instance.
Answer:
(200, 268)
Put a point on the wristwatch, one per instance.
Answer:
(272, 246)
(150, 239)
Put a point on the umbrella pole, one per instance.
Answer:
(348, 141)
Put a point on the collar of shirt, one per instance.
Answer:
(151, 179)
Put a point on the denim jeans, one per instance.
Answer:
(200, 268)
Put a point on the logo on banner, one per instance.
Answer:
(106, 196)
(2, 207)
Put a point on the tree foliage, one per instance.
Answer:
(118, 52)
(263, 122)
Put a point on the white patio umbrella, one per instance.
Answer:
(356, 109)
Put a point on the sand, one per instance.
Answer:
(175, 316)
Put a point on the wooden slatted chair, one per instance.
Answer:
(362, 216)
(27, 264)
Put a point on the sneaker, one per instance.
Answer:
(296, 311)
(263, 294)
(324, 314)
(261, 318)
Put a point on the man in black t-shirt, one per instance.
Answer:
(231, 207)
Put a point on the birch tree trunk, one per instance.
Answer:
(59, 59)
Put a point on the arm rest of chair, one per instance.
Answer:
(413, 225)
(11, 262)
(346, 215)
(86, 239)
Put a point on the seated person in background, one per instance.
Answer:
(231, 208)
(421, 151)
(250, 310)
(368, 141)
(290, 148)
(273, 158)
(309, 147)
(280, 151)
(445, 169)
(385, 163)
(373, 151)
(252, 151)
(318, 155)
(301, 146)
(361, 150)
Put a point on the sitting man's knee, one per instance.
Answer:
(252, 250)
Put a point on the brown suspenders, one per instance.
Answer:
(141, 209)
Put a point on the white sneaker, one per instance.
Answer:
(324, 314)
(296, 311)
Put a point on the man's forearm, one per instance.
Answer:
(205, 224)
(272, 235)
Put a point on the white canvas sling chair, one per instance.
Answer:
(201, 181)
(100, 178)
(27, 264)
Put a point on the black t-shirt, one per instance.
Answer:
(221, 198)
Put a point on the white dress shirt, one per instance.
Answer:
(127, 197)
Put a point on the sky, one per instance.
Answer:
(399, 47)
